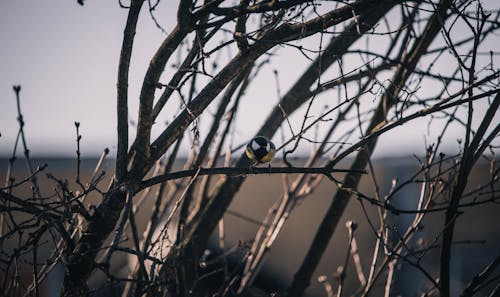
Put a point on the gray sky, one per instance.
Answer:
(65, 57)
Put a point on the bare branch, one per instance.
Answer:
(241, 171)
(122, 88)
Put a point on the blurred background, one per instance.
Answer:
(65, 57)
(476, 240)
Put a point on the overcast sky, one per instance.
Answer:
(65, 58)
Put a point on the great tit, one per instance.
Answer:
(260, 150)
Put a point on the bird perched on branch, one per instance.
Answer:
(260, 150)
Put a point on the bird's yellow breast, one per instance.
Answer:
(268, 157)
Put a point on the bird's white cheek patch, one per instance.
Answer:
(255, 145)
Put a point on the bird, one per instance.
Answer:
(260, 150)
